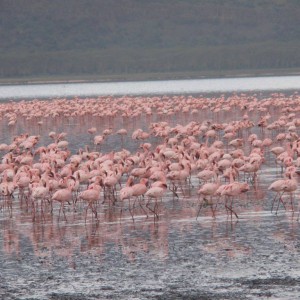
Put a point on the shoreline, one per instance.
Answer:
(59, 79)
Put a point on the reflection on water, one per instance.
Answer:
(20, 236)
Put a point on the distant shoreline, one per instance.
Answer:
(147, 76)
(258, 84)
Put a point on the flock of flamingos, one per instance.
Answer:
(212, 147)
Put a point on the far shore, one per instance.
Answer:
(53, 79)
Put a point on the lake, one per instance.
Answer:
(176, 256)
(195, 86)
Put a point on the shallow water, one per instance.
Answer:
(174, 257)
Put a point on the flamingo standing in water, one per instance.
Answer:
(290, 187)
(91, 196)
(277, 186)
(282, 186)
(39, 193)
(155, 192)
(234, 189)
(139, 190)
(133, 190)
(7, 189)
(208, 190)
(109, 183)
(126, 194)
(62, 196)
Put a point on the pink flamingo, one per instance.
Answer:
(62, 196)
(234, 189)
(126, 194)
(91, 196)
(208, 190)
(39, 193)
(282, 186)
(109, 184)
(277, 186)
(155, 192)
(138, 190)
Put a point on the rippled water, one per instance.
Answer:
(151, 87)
(175, 257)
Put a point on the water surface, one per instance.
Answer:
(191, 86)
(175, 257)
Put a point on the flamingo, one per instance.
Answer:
(62, 196)
(291, 186)
(281, 186)
(234, 189)
(155, 192)
(208, 190)
(126, 194)
(39, 193)
(109, 184)
(91, 196)
(277, 186)
(138, 190)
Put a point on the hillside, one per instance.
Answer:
(100, 37)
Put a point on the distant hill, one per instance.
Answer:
(107, 37)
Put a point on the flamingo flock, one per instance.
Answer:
(213, 151)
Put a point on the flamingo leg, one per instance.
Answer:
(63, 209)
(152, 210)
(74, 200)
(33, 211)
(94, 210)
(174, 189)
(200, 207)
(42, 210)
(9, 206)
(215, 209)
(181, 188)
(114, 195)
(292, 201)
(104, 195)
(273, 202)
(225, 204)
(212, 208)
(229, 208)
(59, 211)
(141, 206)
(156, 207)
(280, 200)
(231, 211)
(121, 210)
(51, 206)
(86, 210)
(131, 210)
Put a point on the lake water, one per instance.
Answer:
(194, 86)
(176, 257)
